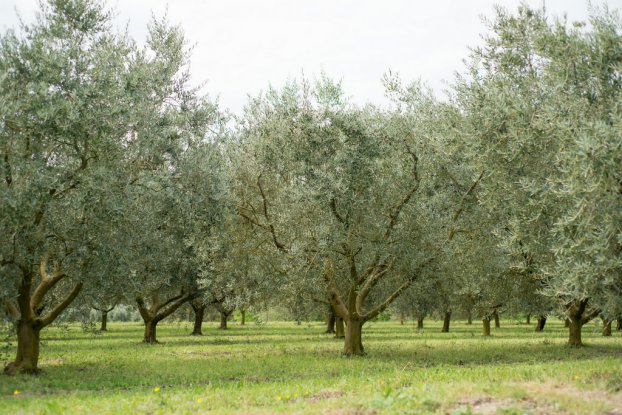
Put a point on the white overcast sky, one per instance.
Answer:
(242, 46)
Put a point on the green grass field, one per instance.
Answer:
(284, 368)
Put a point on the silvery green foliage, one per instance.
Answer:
(541, 105)
(64, 115)
(338, 188)
(92, 129)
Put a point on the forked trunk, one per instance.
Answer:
(497, 322)
(353, 344)
(150, 331)
(486, 326)
(420, 323)
(446, 320)
(607, 327)
(330, 324)
(340, 332)
(199, 313)
(540, 324)
(223, 321)
(104, 325)
(27, 348)
(577, 316)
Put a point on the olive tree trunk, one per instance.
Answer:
(420, 322)
(199, 314)
(28, 314)
(158, 310)
(578, 315)
(486, 326)
(340, 331)
(330, 323)
(223, 320)
(540, 324)
(607, 327)
(353, 344)
(446, 320)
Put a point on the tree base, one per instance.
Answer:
(14, 368)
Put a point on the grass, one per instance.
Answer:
(284, 368)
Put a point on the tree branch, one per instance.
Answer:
(62, 306)
(47, 282)
(451, 232)
(333, 293)
(173, 306)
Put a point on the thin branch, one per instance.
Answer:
(333, 208)
(451, 232)
(276, 241)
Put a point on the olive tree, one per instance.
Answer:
(347, 194)
(541, 106)
(84, 115)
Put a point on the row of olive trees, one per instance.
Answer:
(121, 183)
(509, 194)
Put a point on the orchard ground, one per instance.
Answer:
(284, 368)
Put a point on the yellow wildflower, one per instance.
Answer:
(278, 398)
(16, 392)
(156, 389)
(200, 400)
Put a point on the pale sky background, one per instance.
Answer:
(242, 46)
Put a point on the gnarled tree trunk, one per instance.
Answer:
(540, 324)
(446, 320)
(353, 344)
(104, 317)
(223, 320)
(607, 327)
(158, 310)
(104, 323)
(150, 331)
(578, 315)
(486, 326)
(340, 331)
(28, 341)
(495, 314)
(330, 323)
(28, 313)
(199, 313)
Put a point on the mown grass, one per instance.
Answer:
(284, 368)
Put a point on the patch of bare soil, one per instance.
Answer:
(542, 400)
(552, 389)
(490, 406)
(324, 394)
